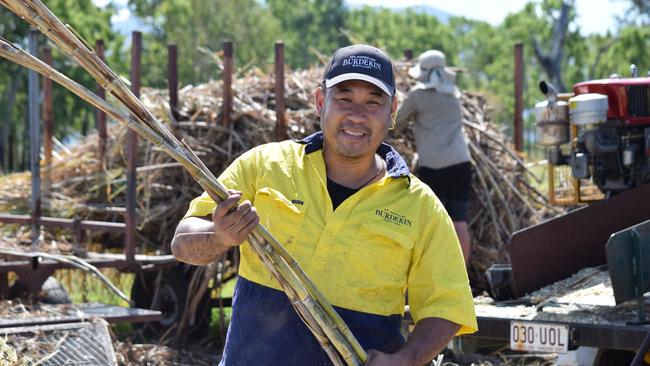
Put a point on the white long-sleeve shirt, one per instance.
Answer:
(438, 128)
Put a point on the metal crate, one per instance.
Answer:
(71, 344)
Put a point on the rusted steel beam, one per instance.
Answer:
(129, 248)
(34, 140)
(99, 114)
(559, 247)
(25, 268)
(519, 97)
(408, 54)
(228, 67)
(280, 106)
(48, 123)
(48, 265)
(172, 77)
(76, 316)
(64, 223)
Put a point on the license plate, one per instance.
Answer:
(539, 337)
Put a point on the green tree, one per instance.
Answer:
(639, 13)
(309, 25)
(397, 31)
(630, 46)
(70, 112)
(191, 24)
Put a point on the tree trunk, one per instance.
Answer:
(84, 124)
(11, 156)
(6, 163)
(552, 61)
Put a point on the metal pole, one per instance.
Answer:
(48, 123)
(35, 141)
(172, 77)
(519, 97)
(636, 239)
(99, 114)
(228, 65)
(408, 54)
(280, 107)
(129, 250)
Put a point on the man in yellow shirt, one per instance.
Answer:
(346, 208)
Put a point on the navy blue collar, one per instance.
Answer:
(395, 164)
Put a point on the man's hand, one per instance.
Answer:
(428, 339)
(376, 358)
(232, 222)
(201, 240)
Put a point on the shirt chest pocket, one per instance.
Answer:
(282, 217)
(382, 255)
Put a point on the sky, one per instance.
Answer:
(594, 16)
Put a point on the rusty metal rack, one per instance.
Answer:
(75, 344)
(44, 314)
(33, 269)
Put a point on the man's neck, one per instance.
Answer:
(352, 173)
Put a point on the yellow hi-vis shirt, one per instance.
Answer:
(391, 235)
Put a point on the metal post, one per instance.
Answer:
(280, 107)
(35, 141)
(129, 250)
(408, 54)
(519, 97)
(99, 114)
(172, 77)
(48, 123)
(636, 240)
(228, 65)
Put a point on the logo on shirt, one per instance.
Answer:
(392, 217)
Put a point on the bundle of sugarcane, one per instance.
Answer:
(326, 325)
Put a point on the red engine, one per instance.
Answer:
(610, 138)
(628, 99)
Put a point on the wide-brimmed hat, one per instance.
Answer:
(432, 72)
(361, 62)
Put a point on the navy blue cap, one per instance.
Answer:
(361, 62)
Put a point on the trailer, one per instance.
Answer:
(575, 281)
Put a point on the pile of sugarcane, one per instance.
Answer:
(326, 325)
(502, 198)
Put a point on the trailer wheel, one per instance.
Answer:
(171, 300)
(51, 292)
(614, 357)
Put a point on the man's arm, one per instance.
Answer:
(201, 240)
(429, 337)
(406, 111)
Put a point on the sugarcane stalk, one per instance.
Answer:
(311, 288)
(488, 202)
(509, 214)
(514, 189)
(151, 129)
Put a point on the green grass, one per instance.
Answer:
(85, 287)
